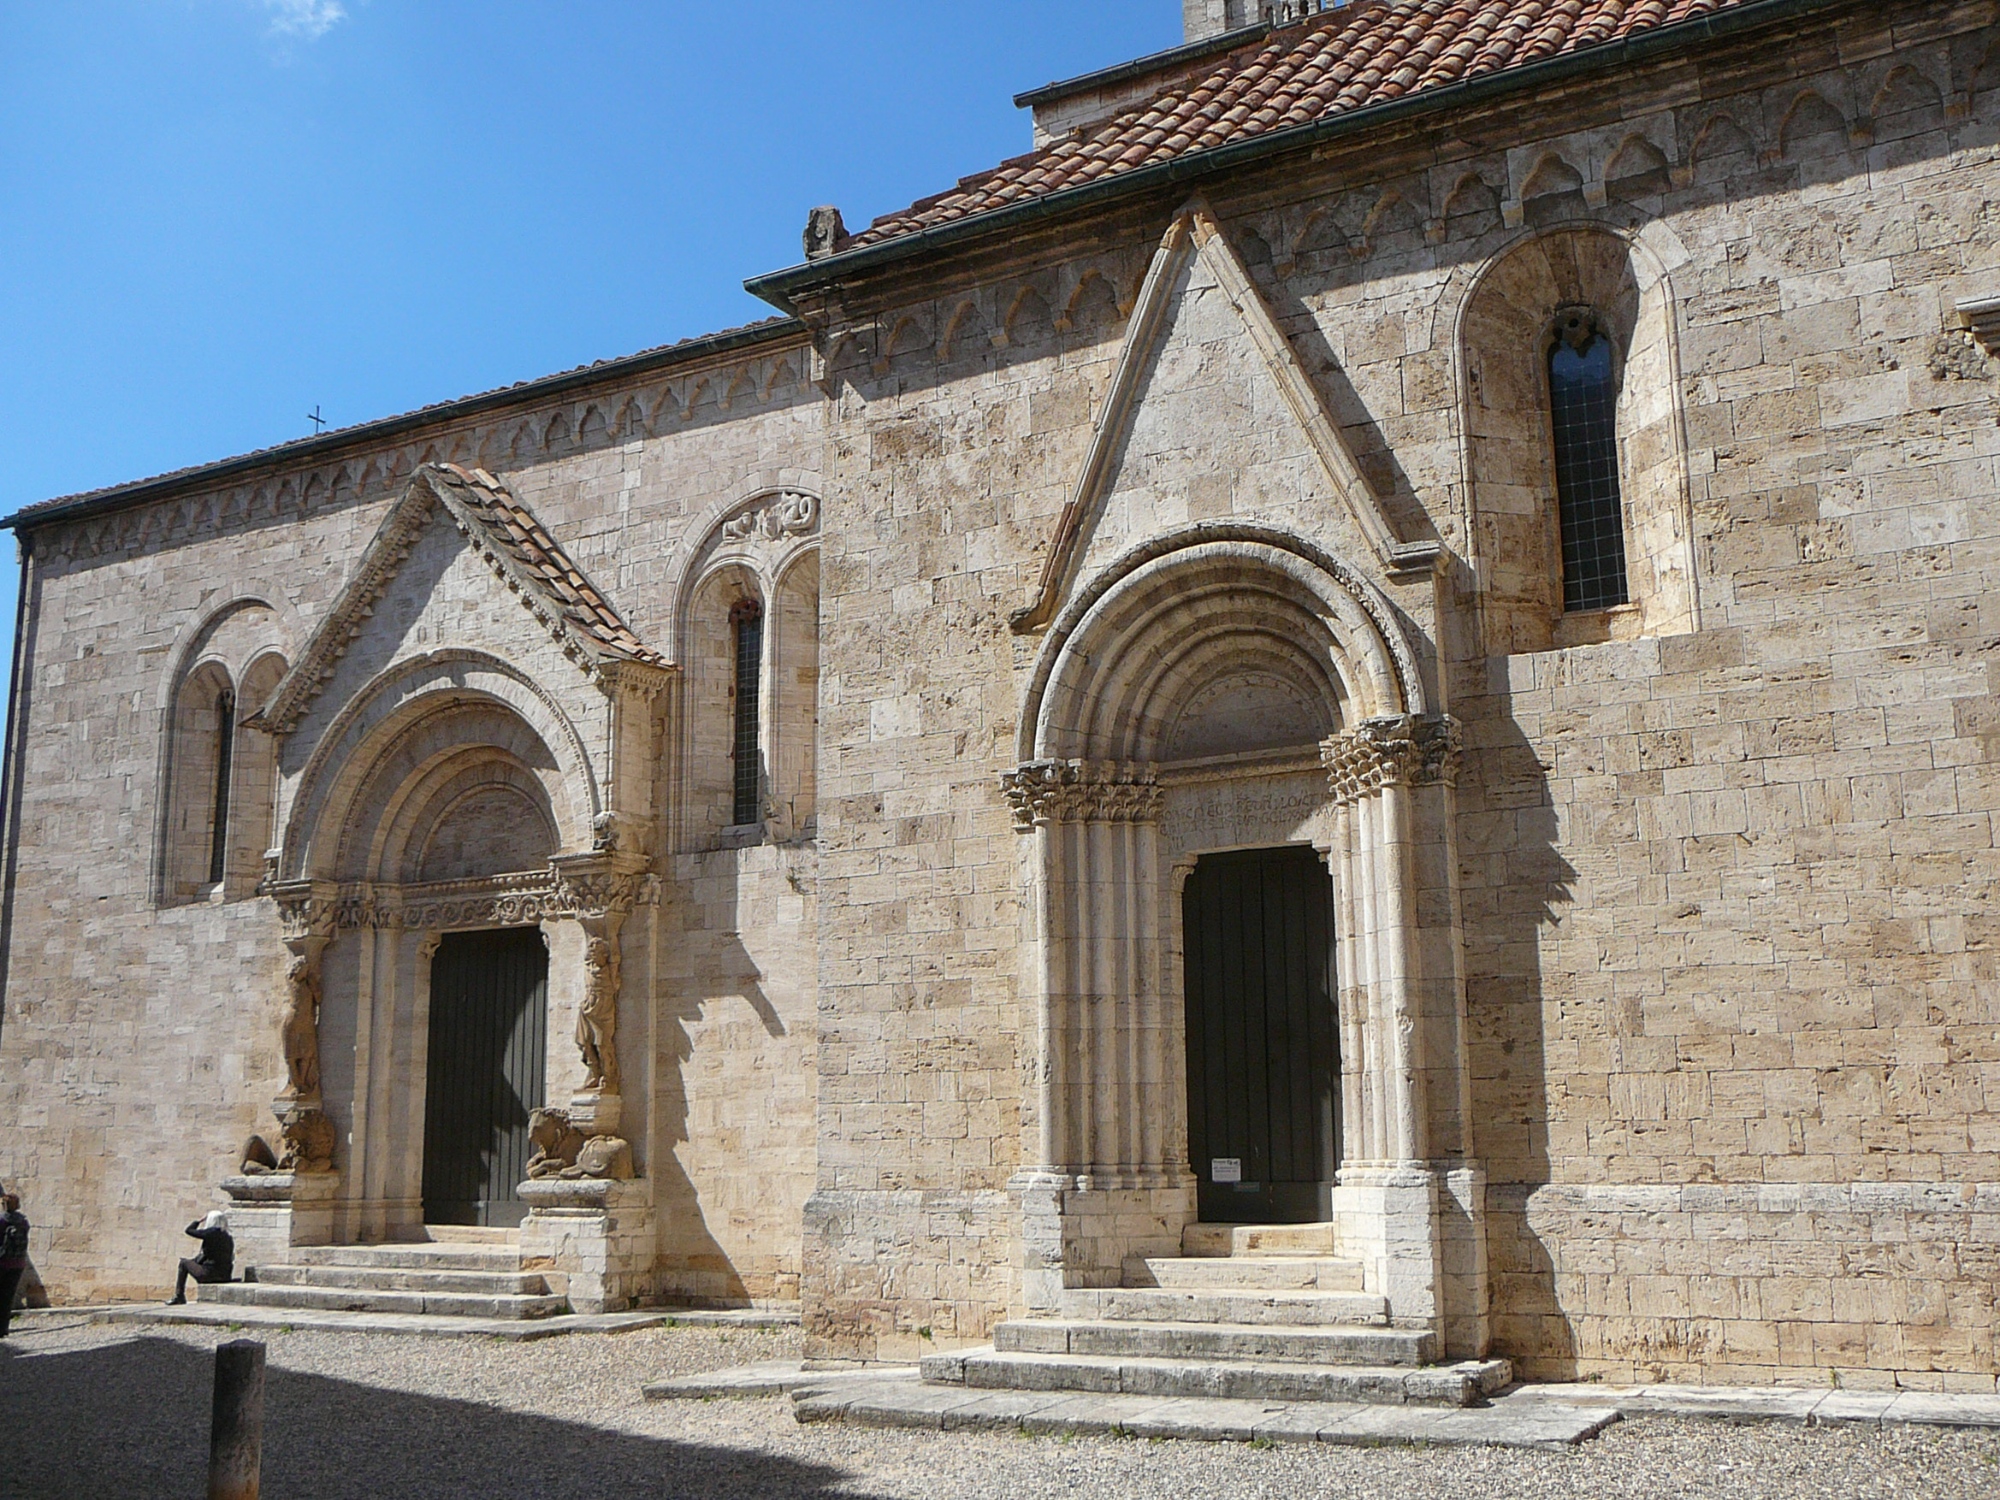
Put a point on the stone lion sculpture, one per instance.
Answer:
(556, 1143)
(308, 1136)
(308, 1142)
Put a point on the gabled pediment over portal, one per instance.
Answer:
(468, 644)
(1211, 416)
(523, 558)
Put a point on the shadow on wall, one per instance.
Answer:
(696, 1267)
(138, 1415)
(1517, 889)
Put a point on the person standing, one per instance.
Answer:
(217, 1261)
(13, 1256)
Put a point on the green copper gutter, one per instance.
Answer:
(780, 287)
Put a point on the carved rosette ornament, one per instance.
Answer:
(1410, 750)
(1045, 792)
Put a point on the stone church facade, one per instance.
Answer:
(1389, 630)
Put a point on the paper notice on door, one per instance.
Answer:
(1225, 1169)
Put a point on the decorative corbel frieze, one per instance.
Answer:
(1396, 750)
(1043, 792)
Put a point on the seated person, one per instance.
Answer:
(217, 1261)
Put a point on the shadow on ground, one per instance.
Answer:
(131, 1420)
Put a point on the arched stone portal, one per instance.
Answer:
(1232, 688)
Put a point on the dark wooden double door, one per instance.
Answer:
(1263, 1060)
(488, 1055)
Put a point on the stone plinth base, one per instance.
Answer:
(594, 1233)
(1076, 1231)
(269, 1213)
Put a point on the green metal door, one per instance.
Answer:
(488, 1049)
(1262, 1037)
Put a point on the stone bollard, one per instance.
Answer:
(236, 1431)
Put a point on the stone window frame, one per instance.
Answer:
(762, 546)
(193, 825)
(1504, 321)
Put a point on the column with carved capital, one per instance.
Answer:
(1411, 1195)
(589, 1216)
(284, 1191)
(1099, 1182)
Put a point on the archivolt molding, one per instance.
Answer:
(1076, 791)
(1411, 750)
(400, 697)
(1359, 618)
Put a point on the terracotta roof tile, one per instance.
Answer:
(512, 527)
(1338, 61)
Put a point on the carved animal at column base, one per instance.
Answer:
(556, 1142)
(258, 1158)
(605, 1156)
(309, 1140)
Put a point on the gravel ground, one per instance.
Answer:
(114, 1412)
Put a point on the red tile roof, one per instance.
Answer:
(1336, 63)
(512, 528)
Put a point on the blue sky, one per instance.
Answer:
(221, 213)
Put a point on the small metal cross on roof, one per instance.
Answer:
(319, 422)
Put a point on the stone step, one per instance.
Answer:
(383, 1279)
(418, 1256)
(1271, 1273)
(1299, 1309)
(471, 1234)
(1258, 1239)
(1183, 1379)
(1334, 1345)
(337, 1299)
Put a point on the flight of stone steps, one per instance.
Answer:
(462, 1273)
(1247, 1312)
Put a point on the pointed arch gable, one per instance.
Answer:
(1194, 232)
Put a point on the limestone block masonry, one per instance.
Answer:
(851, 702)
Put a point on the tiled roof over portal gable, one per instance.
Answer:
(512, 528)
(1340, 61)
(513, 541)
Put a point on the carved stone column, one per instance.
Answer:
(1097, 1184)
(286, 1196)
(1410, 1200)
(589, 1218)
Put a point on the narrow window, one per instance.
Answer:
(748, 618)
(225, 740)
(1583, 399)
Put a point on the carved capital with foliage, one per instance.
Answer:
(1045, 792)
(1396, 750)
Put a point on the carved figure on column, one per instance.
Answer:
(597, 1017)
(300, 1031)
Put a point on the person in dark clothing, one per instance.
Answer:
(217, 1261)
(13, 1256)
